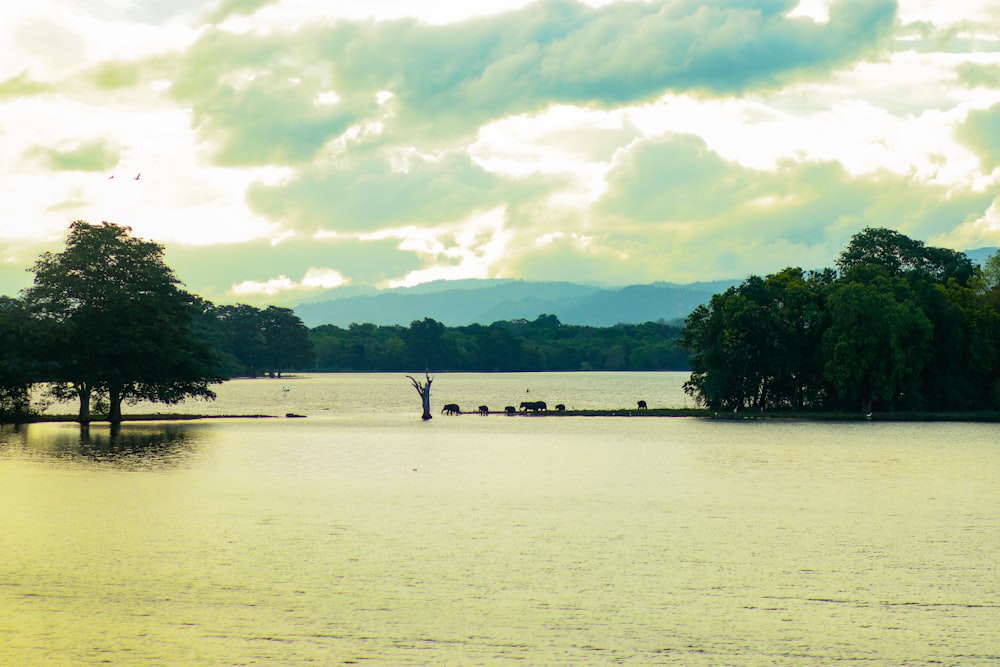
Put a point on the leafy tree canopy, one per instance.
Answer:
(117, 322)
(902, 326)
(898, 254)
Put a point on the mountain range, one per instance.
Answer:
(464, 302)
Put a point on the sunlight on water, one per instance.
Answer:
(366, 536)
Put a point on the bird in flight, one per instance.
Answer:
(137, 176)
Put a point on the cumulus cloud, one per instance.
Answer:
(981, 133)
(622, 141)
(389, 188)
(253, 94)
(675, 208)
(313, 280)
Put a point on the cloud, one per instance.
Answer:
(229, 8)
(51, 41)
(94, 155)
(253, 94)
(115, 74)
(676, 210)
(977, 74)
(390, 188)
(270, 288)
(981, 133)
(254, 97)
(620, 141)
(315, 278)
(22, 86)
(209, 270)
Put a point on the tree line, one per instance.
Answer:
(106, 322)
(542, 344)
(898, 325)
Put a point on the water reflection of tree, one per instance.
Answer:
(135, 447)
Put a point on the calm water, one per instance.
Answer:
(361, 535)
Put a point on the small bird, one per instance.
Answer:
(111, 176)
(137, 176)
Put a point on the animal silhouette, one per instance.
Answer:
(451, 409)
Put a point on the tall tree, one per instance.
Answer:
(286, 340)
(19, 363)
(120, 325)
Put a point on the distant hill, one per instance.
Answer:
(979, 255)
(463, 302)
(459, 303)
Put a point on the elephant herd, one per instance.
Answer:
(525, 407)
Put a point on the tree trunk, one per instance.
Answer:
(425, 394)
(84, 394)
(426, 397)
(114, 404)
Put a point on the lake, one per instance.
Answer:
(362, 535)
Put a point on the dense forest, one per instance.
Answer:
(897, 326)
(542, 344)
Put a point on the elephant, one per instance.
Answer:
(451, 409)
(642, 405)
(560, 407)
(484, 410)
(534, 406)
(510, 410)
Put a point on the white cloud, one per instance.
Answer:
(323, 277)
(981, 232)
(817, 10)
(948, 13)
(315, 278)
(469, 249)
(271, 287)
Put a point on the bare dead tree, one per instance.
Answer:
(424, 389)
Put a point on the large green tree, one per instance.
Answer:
(118, 323)
(19, 363)
(902, 325)
(878, 342)
(286, 340)
(269, 341)
(754, 345)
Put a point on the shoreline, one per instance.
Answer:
(696, 413)
(774, 415)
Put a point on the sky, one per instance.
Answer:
(280, 149)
